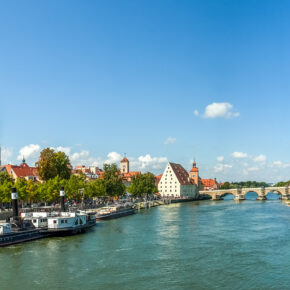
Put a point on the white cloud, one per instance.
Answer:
(80, 156)
(113, 157)
(280, 164)
(222, 167)
(6, 154)
(141, 163)
(196, 113)
(66, 150)
(31, 151)
(260, 158)
(220, 110)
(170, 140)
(239, 155)
(220, 158)
(147, 162)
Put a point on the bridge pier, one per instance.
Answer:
(262, 197)
(285, 197)
(216, 197)
(239, 197)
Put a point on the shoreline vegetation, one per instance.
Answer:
(54, 171)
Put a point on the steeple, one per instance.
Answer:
(194, 173)
(125, 165)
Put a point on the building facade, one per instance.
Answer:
(176, 182)
(22, 171)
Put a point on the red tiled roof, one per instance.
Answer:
(131, 174)
(23, 170)
(208, 182)
(158, 177)
(181, 174)
(124, 160)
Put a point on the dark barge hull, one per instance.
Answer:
(116, 215)
(20, 237)
(183, 200)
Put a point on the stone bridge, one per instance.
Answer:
(239, 193)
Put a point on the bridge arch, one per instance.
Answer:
(273, 194)
(228, 195)
(251, 195)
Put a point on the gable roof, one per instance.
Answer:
(181, 174)
(22, 171)
(157, 178)
(124, 160)
(208, 182)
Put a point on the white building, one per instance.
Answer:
(175, 182)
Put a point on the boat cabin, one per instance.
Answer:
(5, 229)
(66, 220)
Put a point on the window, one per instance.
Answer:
(54, 221)
(81, 222)
(62, 221)
(66, 221)
(34, 221)
(76, 222)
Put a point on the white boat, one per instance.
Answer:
(61, 223)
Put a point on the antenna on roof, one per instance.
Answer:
(23, 160)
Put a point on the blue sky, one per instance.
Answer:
(108, 77)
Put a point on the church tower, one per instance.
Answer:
(125, 165)
(194, 174)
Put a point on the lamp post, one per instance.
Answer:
(14, 197)
(62, 195)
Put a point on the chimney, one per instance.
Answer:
(62, 194)
(14, 197)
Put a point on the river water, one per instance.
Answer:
(196, 245)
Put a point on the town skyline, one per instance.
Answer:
(145, 163)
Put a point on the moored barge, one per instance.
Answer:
(117, 211)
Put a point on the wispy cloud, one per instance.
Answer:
(260, 158)
(170, 140)
(239, 155)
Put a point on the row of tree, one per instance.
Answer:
(246, 184)
(76, 186)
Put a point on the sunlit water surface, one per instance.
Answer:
(197, 245)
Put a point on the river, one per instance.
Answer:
(196, 245)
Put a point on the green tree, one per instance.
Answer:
(4, 176)
(113, 181)
(75, 186)
(62, 165)
(96, 188)
(49, 191)
(33, 194)
(143, 184)
(52, 164)
(226, 185)
(21, 187)
(5, 191)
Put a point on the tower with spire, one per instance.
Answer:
(194, 173)
(125, 165)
